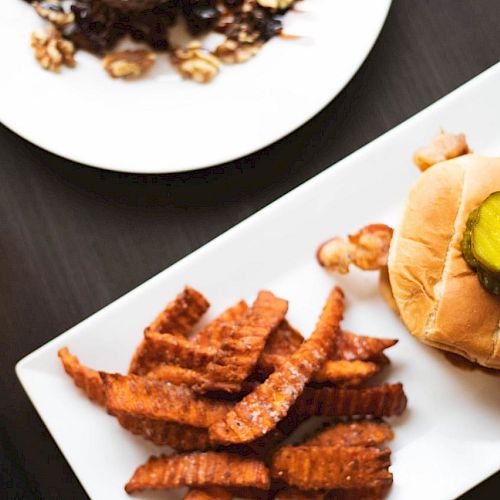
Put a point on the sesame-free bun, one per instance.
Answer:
(439, 297)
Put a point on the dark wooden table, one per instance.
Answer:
(74, 238)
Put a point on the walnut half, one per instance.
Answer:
(53, 11)
(52, 50)
(128, 63)
(195, 63)
(232, 52)
(276, 4)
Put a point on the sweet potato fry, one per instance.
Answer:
(320, 468)
(339, 371)
(283, 341)
(346, 372)
(295, 494)
(177, 436)
(181, 314)
(208, 494)
(345, 365)
(199, 470)
(357, 433)
(176, 375)
(350, 346)
(240, 350)
(191, 378)
(177, 319)
(379, 401)
(161, 349)
(259, 412)
(212, 334)
(85, 378)
(369, 493)
(147, 397)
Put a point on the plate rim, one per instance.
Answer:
(22, 366)
(9, 123)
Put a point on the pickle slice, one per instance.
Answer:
(489, 281)
(466, 244)
(485, 234)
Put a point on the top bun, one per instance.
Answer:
(438, 295)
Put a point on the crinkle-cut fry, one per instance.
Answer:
(185, 376)
(199, 470)
(259, 412)
(176, 375)
(177, 436)
(177, 319)
(351, 346)
(379, 401)
(377, 492)
(181, 314)
(151, 398)
(346, 372)
(213, 333)
(328, 467)
(355, 433)
(85, 378)
(160, 348)
(240, 350)
(208, 494)
(295, 494)
(283, 341)
(340, 371)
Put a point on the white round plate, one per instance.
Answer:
(165, 124)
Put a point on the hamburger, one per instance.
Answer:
(446, 293)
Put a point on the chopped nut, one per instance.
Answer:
(53, 11)
(52, 50)
(196, 63)
(128, 63)
(276, 4)
(368, 249)
(232, 52)
(443, 147)
(334, 255)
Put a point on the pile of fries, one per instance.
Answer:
(227, 397)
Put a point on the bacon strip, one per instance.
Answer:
(199, 470)
(357, 433)
(147, 397)
(259, 412)
(85, 378)
(213, 334)
(177, 436)
(379, 401)
(240, 350)
(320, 468)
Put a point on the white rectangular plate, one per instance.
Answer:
(449, 438)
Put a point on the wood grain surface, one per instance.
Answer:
(74, 238)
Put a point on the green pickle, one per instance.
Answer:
(481, 243)
(486, 234)
(467, 240)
